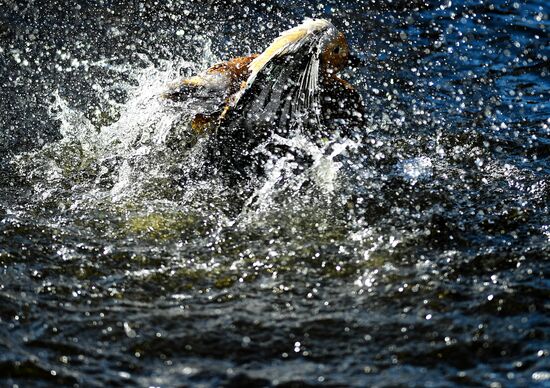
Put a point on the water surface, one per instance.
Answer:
(414, 253)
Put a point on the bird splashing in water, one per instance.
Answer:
(293, 86)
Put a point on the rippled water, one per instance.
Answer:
(414, 253)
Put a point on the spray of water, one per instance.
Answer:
(145, 147)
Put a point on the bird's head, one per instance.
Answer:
(335, 55)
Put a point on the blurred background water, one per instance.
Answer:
(415, 253)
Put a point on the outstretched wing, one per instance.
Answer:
(282, 91)
(284, 79)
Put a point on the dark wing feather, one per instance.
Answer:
(273, 104)
(280, 96)
(276, 102)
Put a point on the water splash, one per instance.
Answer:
(141, 148)
(416, 169)
(135, 145)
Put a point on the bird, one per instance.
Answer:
(294, 84)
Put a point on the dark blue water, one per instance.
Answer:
(415, 253)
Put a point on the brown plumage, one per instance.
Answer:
(223, 79)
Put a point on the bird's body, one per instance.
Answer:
(215, 86)
(292, 84)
